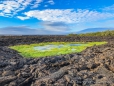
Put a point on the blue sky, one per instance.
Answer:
(54, 16)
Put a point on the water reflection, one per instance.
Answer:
(52, 46)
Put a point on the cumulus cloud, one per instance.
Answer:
(68, 15)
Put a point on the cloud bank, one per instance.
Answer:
(66, 15)
(55, 26)
(50, 28)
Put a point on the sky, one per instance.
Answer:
(51, 17)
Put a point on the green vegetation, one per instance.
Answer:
(103, 33)
(29, 51)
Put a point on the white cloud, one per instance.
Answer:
(22, 18)
(1, 14)
(109, 8)
(67, 15)
(12, 7)
(36, 3)
(51, 2)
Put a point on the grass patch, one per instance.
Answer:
(29, 51)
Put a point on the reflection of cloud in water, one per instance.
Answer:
(75, 44)
(47, 47)
(51, 46)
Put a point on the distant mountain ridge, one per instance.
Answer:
(89, 30)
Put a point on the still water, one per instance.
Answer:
(52, 46)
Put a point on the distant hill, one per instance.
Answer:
(90, 30)
(102, 33)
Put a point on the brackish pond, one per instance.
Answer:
(53, 48)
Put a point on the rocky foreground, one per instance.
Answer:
(92, 67)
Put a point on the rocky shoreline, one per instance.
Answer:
(92, 67)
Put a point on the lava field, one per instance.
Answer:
(92, 67)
